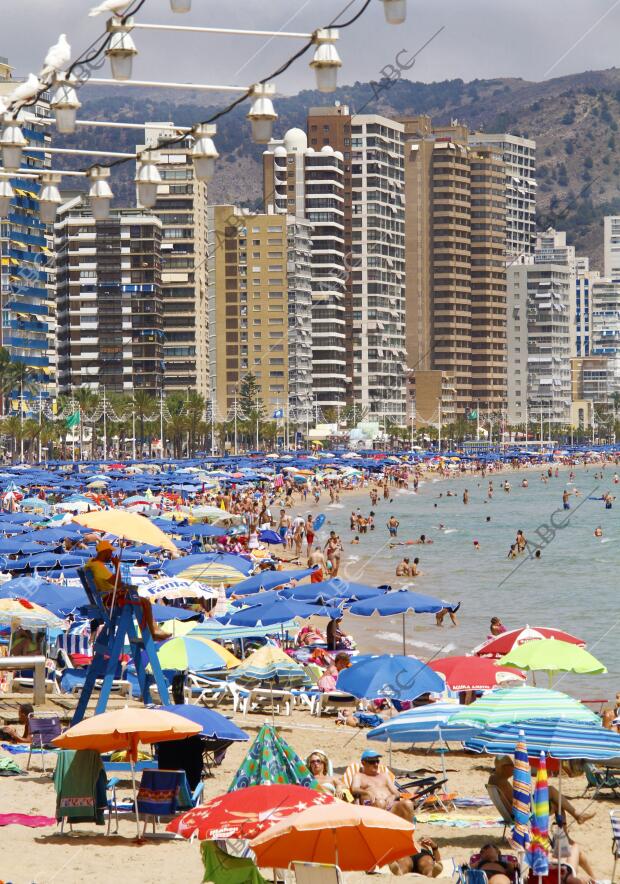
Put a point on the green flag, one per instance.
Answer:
(73, 420)
(473, 414)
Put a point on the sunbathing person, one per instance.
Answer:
(376, 788)
(500, 778)
(10, 733)
(497, 868)
(318, 765)
(427, 862)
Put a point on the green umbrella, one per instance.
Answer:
(552, 655)
(270, 759)
(507, 705)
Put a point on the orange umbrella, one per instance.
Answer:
(351, 836)
(127, 526)
(125, 729)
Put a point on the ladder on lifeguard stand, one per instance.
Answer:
(119, 627)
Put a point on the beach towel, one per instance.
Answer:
(452, 820)
(80, 782)
(21, 748)
(220, 868)
(26, 819)
(8, 768)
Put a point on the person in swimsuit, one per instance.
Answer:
(376, 788)
(427, 862)
(495, 866)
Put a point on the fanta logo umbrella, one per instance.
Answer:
(474, 673)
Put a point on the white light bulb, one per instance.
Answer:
(395, 11)
(204, 152)
(262, 113)
(6, 195)
(100, 192)
(181, 5)
(13, 143)
(65, 105)
(121, 50)
(326, 60)
(147, 181)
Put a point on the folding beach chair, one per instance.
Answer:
(600, 780)
(500, 805)
(614, 818)
(158, 795)
(316, 873)
(42, 727)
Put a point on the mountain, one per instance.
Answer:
(574, 120)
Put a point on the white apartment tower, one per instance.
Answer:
(309, 184)
(519, 156)
(611, 247)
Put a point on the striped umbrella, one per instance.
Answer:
(507, 705)
(423, 724)
(537, 855)
(521, 797)
(270, 664)
(558, 738)
(197, 654)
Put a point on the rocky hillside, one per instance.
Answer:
(574, 120)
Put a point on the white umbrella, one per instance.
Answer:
(175, 588)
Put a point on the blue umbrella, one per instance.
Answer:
(268, 580)
(269, 536)
(423, 724)
(337, 588)
(61, 600)
(13, 545)
(214, 726)
(47, 560)
(389, 676)
(558, 738)
(400, 602)
(277, 612)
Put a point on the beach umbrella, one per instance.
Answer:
(504, 643)
(402, 601)
(537, 854)
(271, 761)
(508, 705)
(245, 813)
(474, 673)
(336, 588)
(22, 612)
(213, 725)
(125, 729)
(271, 664)
(194, 653)
(558, 738)
(269, 536)
(424, 724)
(389, 676)
(175, 588)
(58, 599)
(126, 526)
(278, 611)
(352, 836)
(269, 580)
(553, 655)
(209, 568)
(521, 796)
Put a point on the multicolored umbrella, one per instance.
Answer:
(521, 797)
(28, 614)
(209, 568)
(197, 654)
(504, 643)
(271, 664)
(245, 813)
(558, 738)
(537, 855)
(508, 705)
(270, 760)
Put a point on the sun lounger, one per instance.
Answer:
(504, 810)
(259, 698)
(599, 780)
(333, 699)
(316, 873)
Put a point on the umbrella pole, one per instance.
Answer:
(559, 844)
(404, 651)
(117, 581)
(135, 796)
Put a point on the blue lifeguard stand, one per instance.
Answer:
(118, 628)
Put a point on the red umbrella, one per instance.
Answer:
(245, 813)
(474, 673)
(504, 643)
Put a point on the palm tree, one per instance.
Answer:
(6, 377)
(194, 408)
(86, 400)
(144, 408)
(13, 427)
(177, 425)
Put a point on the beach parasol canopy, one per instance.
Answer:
(389, 676)
(558, 738)
(552, 655)
(474, 673)
(334, 589)
(269, 580)
(127, 526)
(277, 611)
(521, 796)
(424, 724)
(351, 836)
(271, 664)
(270, 760)
(21, 612)
(194, 653)
(245, 813)
(213, 725)
(175, 588)
(508, 705)
(537, 854)
(402, 601)
(209, 568)
(504, 643)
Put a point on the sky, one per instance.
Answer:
(532, 39)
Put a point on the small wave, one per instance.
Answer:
(335, 506)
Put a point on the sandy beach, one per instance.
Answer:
(42, 856)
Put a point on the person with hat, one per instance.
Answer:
(107, 582)
(376, 788)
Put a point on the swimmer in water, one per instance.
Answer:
(598, 532)
(476, 545)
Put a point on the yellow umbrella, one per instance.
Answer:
(28, 614)
(127, 526)
(125, 729)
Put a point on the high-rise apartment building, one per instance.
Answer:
(583, 289)
(611, 247)
(519, 156)
(517, 340)
(110, 306)
(27, 297)
(605, 326)
(182, 208)
(259, 304)
(309, 184)
(455, 261)
(374, 233)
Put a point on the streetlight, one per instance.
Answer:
(13, 143)
(65, 105)
(262, 113)
(326, 60)
(49, 197)
(100, 192)
(6, 195)
(395, 11)
(147, 180)
(181, 5)
(121, 50)
(204, 152)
